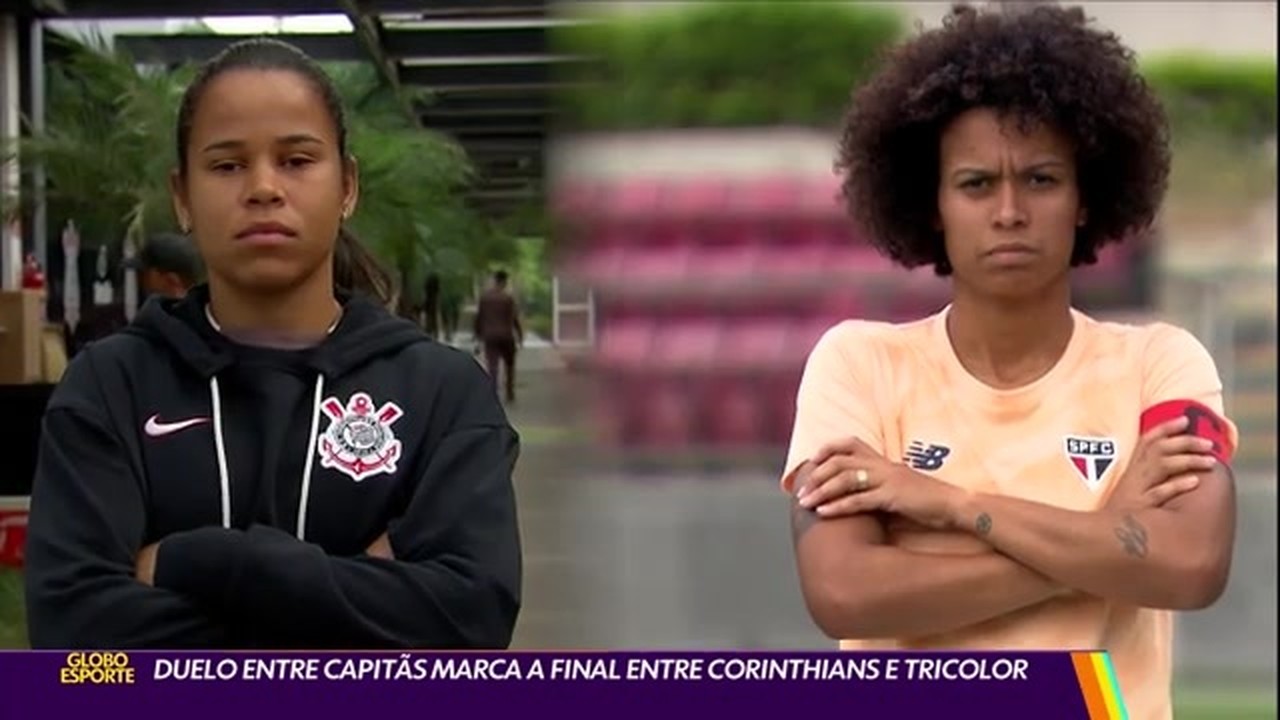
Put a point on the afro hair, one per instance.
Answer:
(1038, 64)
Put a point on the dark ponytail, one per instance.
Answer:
(354, 267)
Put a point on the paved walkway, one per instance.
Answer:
(659, 560)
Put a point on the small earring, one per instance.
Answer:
(346, 213)
(186, 229)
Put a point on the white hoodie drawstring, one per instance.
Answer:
(305, 496)
(224, 479)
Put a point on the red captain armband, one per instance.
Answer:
(1202, 422)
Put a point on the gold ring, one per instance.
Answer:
(861, 479)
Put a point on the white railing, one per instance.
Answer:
(583, 306)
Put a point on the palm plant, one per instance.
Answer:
(410, 211)
(107, 149)
(101, 149)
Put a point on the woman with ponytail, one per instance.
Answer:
(274, 460)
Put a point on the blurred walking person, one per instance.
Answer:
(498, 331)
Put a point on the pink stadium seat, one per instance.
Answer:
(837, 233)
(695, 200)
(782, 388)
(731, 282)
(668, 413)
(600, 266)
(766, 199)
(799, 262)
(821, 199)
(632, 200)
(686, 344)
(736, 410)
(755, 344)
(805, 335)
(656, 265)
(624, 344)
(725, 263)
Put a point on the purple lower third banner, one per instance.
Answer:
(617, 685)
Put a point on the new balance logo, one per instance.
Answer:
(921, 456)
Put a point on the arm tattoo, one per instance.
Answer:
(1133, 537)
(802, 519)
(983, 525)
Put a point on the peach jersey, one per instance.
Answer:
(1063, 440)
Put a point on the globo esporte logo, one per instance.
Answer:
(97, 668)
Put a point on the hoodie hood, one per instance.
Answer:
(366, 331)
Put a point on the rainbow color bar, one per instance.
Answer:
(1098, 683)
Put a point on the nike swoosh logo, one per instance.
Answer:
(155, 428)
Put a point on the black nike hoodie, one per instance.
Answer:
(265, 475)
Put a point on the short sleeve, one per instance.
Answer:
(1176, 366)
(836, 399)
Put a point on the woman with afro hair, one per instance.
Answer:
(1010, 473)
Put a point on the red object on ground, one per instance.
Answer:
(32, 274)
(13, 537)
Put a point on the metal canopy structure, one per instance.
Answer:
(108, 9)
(488, 66)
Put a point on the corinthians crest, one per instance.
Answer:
(359, 441)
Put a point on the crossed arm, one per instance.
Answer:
(1173, 555)
(452, 581)
(857, 586)
(1163, 539)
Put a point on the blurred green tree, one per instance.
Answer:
(724, 64)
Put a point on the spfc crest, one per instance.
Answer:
(1091, 457)
(359, 441)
